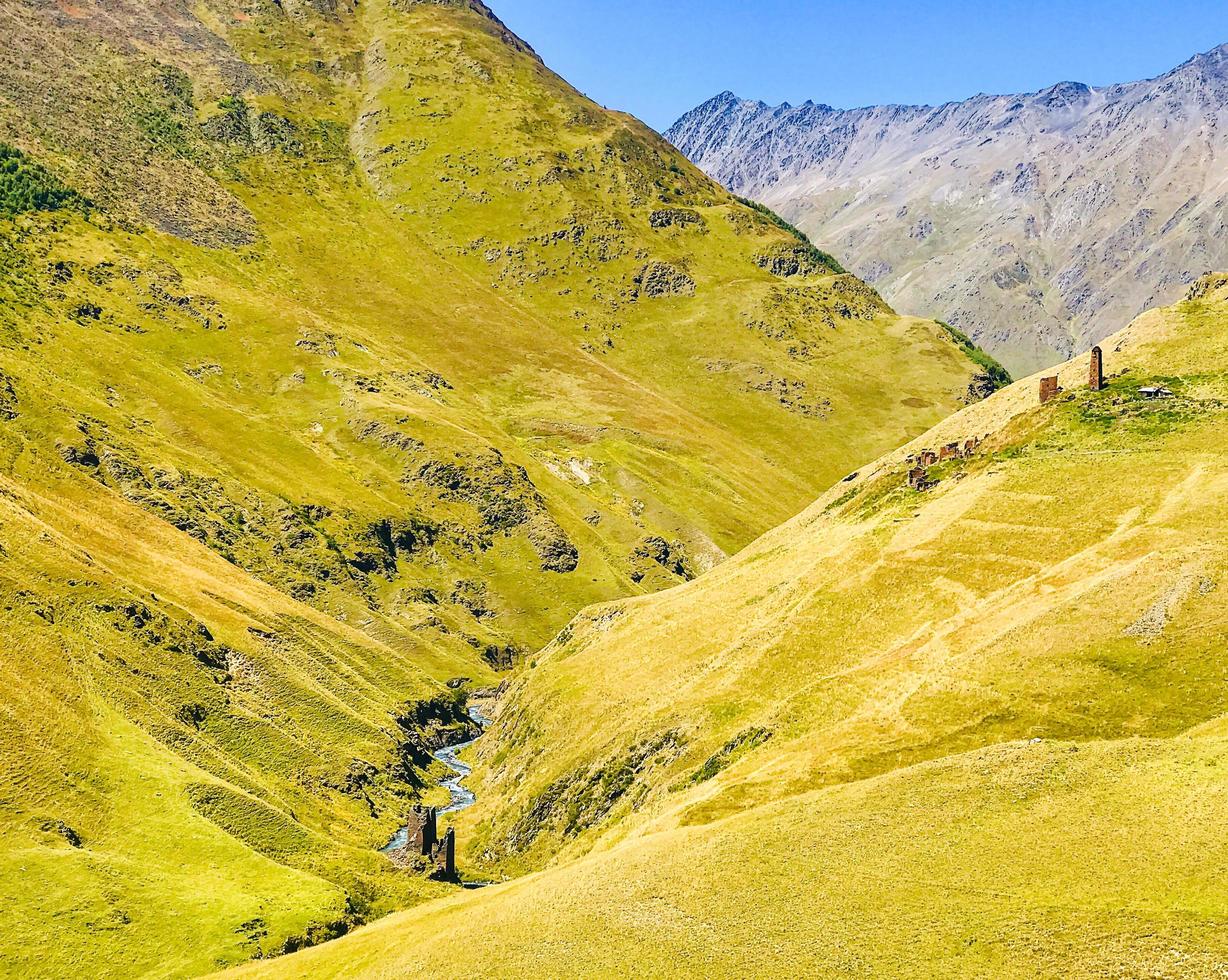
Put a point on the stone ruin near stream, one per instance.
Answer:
(423, 845)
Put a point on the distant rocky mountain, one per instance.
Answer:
(1037, 224)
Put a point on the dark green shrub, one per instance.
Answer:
(997, 373)
(27, 186)
(817, 255)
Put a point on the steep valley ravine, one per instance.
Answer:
(460, 796)
(366, 389)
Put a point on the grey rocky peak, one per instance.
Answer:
(1036, 223)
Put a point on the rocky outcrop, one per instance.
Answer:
(506, 501)
(670, 217)
(794, 259)
(658, 279)
(8, 398)
(655, 550)
(1211, 283)
(585, 797)
(1037, 224)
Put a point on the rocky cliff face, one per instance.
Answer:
(1036, 223)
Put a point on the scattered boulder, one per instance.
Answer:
(923, 229)
(317, 342)
(791, 393)
(8, 398)
(671, 217)
(63, 830)
(198, 372)
(660, 279)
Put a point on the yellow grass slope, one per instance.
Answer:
(1018, 860)
(379, 352)
(974, 731)
(176, 796)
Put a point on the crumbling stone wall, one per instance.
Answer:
(443, 856)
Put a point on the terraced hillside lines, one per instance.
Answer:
(974, 730)
(164, 783)
(346, 351)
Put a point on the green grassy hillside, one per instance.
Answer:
(975, 730)
(1039, 590)
(344, 351)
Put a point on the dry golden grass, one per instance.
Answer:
(996, 714)
(344, 275)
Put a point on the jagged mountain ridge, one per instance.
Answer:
(1035, 223)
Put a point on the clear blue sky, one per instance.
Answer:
(659, 58)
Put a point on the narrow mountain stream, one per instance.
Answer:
(461, 796)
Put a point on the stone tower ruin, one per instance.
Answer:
(444, 856)
(422, 831)
(422, 841)
(1096, 372)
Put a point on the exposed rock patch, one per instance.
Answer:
(655, 550)
(674, 217)
(660, 279)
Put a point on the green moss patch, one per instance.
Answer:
(26, 186)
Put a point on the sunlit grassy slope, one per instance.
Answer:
(345, 350)
(977, 730)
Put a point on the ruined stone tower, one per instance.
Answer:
(1096, 372)
(422, 840)
(422, 831)
(445, 856)
(1048, 389)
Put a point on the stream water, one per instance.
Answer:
(461, 797)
